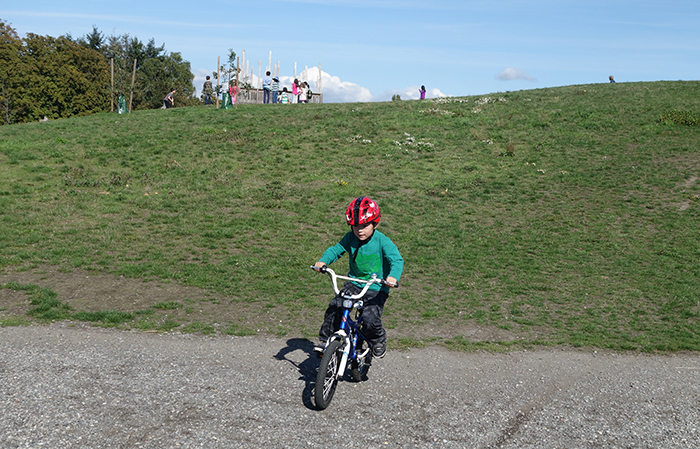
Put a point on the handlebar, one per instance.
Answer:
(335, 277)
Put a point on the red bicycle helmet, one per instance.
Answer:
(362, 210)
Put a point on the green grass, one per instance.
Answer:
(553, 216)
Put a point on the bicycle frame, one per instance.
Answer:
(349, 330)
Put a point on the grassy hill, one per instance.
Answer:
(552, 216)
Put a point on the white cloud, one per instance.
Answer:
(511, 74)
(334, 90)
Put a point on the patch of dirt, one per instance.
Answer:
(688, 184)
(94, 292)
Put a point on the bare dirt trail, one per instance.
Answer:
(65, 386)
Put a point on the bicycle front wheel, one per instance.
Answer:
(327, 378)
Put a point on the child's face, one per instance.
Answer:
(363, 231)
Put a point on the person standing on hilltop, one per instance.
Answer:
(295, 91)
(267, 87)
(275, 89)
(207, 90)
(422, 92)
(302, 93)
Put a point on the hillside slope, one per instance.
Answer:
(554, 216)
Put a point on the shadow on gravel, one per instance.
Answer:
(307, 368)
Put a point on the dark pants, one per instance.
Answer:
(167, 104)
(372, 327)
(266, 95)
(207, 99)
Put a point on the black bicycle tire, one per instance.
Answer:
(327, 377)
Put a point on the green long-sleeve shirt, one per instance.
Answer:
(376, 255)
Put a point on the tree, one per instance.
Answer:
(45, 76)
(11, 69)
(156, 70)
(94, 40)
(64, 79)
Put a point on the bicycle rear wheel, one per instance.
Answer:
(327, 378)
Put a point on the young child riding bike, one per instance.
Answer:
(370, 252)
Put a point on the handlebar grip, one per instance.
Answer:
(390, 284)
(320, 270)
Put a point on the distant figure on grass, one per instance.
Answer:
(295, 91)
(422, 92)
(284, 98)
(207, 90)
(275, 89)
(302, 93)
(267, 87)
(169, 100)
(612, 80)
(233, 91)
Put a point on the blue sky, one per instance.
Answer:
(370, 50)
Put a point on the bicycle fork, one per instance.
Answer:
(346, 352)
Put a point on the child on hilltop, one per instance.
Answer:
(284, 98)
(369, 252)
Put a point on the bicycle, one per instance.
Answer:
(347, 344)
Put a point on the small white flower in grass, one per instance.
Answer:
(540, 170)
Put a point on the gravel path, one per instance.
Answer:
(98, 388)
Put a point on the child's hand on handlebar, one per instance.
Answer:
(391, 281)
(319, 266)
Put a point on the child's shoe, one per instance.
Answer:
(319, 348)
(379, 350)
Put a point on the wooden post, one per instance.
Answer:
(218, 77)
(133, 79)
(320, 77)
(269, 63)
(259, 73)
(111, 105)
(243, 66)
(238, 71)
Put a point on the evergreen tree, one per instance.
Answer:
(11, 69)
